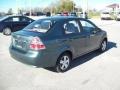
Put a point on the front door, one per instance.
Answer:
(93, 34)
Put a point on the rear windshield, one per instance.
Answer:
(39, 26)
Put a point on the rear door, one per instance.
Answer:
(18, 22)
(15, 22)
(93, 35)
(76, 39)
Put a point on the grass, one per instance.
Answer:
(94, 14)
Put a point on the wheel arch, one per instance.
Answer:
(66, 52)
(7, 26)
(105, 38)
(69, 52)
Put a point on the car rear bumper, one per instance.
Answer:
(33, 58)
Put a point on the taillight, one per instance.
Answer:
(37, 44)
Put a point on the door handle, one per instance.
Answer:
(61, 40)
(87, 36)
(92, 35)
(64, 40)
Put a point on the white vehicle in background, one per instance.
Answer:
(37, 17)
(117, 17)
(105, 16)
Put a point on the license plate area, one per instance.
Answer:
(20, 43)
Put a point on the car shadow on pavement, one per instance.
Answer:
(87, 57)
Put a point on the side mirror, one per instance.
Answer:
(98, 29)
(93, 32)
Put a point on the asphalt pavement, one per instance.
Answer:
(93, 71)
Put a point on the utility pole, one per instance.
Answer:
(30, 8)
(73, 7)
(85, 8)
(16, 11)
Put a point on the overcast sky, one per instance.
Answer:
(6, 4)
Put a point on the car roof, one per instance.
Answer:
(62, 18)
(7, 16)
(16, 16)
(65, 18)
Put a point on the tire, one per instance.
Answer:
(103, 46)
(7, 31)
(63, 63)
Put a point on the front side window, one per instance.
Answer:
(25, 19)
(71, 27)
(40, 26)
(87, 26)
(3, 18)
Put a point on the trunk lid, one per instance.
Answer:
(22, 39)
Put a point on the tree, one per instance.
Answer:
(10, 11)
(47, 9)
(66, 6)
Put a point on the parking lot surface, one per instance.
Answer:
(93, 71)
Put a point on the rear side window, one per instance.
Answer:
(71, 27)
(13, 19)
(40, 26)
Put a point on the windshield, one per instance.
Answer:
(39, 26)
(3, 18)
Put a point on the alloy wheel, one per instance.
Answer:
(103, 46)
(63, 63)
